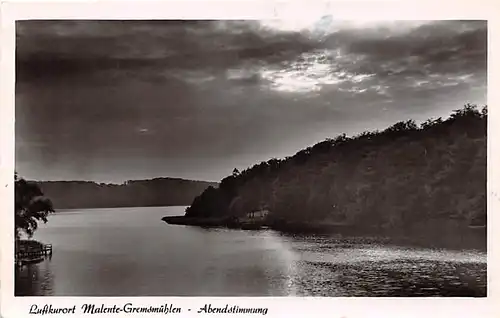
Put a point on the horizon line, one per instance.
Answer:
(122, 183)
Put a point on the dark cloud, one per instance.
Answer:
(117, 100)
(429, 48)
(69, 49)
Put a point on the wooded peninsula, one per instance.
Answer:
(407, 177)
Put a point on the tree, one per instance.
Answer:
(484, 111)
(236, 172)
(30, 207)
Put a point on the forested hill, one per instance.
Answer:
(154, 192)
(404, 175)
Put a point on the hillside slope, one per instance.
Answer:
(154, 192)
(398, 178)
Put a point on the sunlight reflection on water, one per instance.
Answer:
(130, 252)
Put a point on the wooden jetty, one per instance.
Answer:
(33, 255)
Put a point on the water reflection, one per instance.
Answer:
(34, 279)
(97, 253)
(251, 263)
(393, 279)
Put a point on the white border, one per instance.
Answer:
(11, 306)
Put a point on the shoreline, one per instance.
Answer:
(443, 233)
(278, 226)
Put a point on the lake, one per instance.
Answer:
(131, 252)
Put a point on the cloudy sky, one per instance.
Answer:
(116, 100)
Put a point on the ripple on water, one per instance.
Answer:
(393, 278)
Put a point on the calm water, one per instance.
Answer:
(131, 252)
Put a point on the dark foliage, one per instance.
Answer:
(30, 207)
(403, 175)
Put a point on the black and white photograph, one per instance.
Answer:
(281, 157)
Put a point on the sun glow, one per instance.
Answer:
(310, 72)
(322, 24)
(302, 22)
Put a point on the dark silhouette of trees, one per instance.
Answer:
(153, 192)
(236, 172)
(402, 175)
(30, 207)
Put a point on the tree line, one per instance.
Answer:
(32, 203)
(402, 175)
(153, 192)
